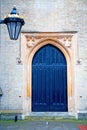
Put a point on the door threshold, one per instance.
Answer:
(51, 114)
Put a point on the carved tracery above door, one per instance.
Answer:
(65, 41)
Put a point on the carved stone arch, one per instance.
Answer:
(63, 50)
(59, 40)
(55, 43)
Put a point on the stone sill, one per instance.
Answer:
(10, 111)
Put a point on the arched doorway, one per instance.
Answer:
(49, 80)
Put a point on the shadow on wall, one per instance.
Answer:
(1, 93)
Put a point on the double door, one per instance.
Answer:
(49, 80)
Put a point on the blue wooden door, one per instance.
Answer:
(49, 80)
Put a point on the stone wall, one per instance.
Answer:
(42, 16)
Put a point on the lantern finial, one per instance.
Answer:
(14, 10)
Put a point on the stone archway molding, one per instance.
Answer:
(65, 41)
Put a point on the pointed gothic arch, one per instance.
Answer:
(67, 55)
(31, 42)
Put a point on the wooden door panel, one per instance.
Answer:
(49, 80)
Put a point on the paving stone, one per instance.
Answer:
(36, 125)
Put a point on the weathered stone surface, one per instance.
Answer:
(43, 16)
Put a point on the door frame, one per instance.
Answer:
(31, 42)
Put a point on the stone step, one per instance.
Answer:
(49, 116)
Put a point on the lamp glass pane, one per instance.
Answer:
(18, 29)
(14, 29)
(9, 30)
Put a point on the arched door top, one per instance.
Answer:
(55, 58)
(53, 42)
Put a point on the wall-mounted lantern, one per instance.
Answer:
(14, 24)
